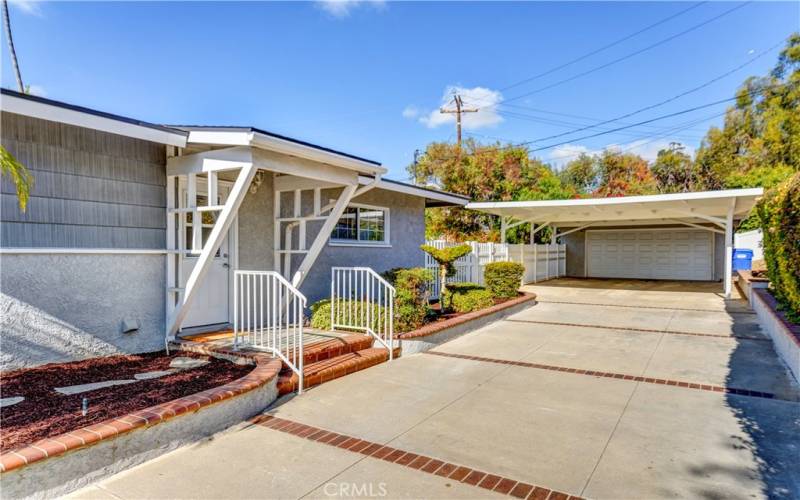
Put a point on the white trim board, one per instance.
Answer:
(55, 113)
(84, 251)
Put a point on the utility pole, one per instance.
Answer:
(458, 111)
(416, 161)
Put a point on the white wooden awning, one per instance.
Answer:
(698, 207)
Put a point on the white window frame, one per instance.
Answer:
(386, 233)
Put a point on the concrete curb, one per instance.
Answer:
(414, 342)
(53, 467)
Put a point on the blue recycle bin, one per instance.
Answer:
(742, 259)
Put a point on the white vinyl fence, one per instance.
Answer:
(542, 262)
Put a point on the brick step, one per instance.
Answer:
(332, 368)
(327, 349)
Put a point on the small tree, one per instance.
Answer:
(19, 175)
(445, 257)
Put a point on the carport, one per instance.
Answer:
(681, 236)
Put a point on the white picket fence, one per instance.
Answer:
(542, 262)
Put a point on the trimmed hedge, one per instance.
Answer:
(321, 313)
(411, 298)
(503, 279)
(453, 289)
(472, 300)
(779, 213)
(410, 302)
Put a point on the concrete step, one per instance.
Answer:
(332, 368)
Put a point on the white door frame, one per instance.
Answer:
(233, 233)
(712, 249)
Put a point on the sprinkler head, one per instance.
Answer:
(85, 406)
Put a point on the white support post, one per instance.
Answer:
(276, 232)
(197, 223)
(213, 189)
(729, 249)
(554, 236)
(171, 258)
(323, 235)
(218, 233)
(503, 226)
(317, 201)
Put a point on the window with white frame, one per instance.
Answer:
(362, 224)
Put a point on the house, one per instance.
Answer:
(681, 236)
(134, 231)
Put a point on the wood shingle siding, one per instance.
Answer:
(92, 189)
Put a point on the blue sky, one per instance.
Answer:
(368, 77)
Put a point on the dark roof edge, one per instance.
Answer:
(436, 191)
(102, 114)
(277, 136)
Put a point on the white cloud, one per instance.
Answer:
(343, 8)
(646, 148)
(480, 98)
(410, 112)
(37, 90)
(31, 7)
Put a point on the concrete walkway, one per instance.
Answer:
(619, 431)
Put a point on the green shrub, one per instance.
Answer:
(503, 279)
(445, 258)
(411, 298)
(321, 313)
(410, 303)
(468, 297)
(451, 289)
(779, 213)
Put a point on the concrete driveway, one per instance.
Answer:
(603, 389)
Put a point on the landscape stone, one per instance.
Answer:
(10, 401)
(184, 363)
(76, 389)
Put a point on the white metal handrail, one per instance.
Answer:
(268, 315)
(361, 300)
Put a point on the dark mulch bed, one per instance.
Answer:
(47, 413)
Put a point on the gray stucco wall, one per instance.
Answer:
(92, 189)
(407, 228)
(64, 307)
(576, 249)
(256, 226)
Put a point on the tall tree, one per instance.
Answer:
(673, 170)
(12, 51)
(582, 174)
(759, 143)
(482, 172)
(624, 174)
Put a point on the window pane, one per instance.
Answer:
(346, 226)
(206, 231)
(371, 224)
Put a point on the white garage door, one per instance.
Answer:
(673, 254)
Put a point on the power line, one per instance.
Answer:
(627, 56)
(651, 120)
(601, 49)
(666, 101)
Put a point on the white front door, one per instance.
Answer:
(672, 254)
(210, 304)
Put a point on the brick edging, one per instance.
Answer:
(621, 376)
(433, 328)
(791, 330)
(266, 369)
(422, 463)
(642, 330)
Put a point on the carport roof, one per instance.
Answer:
(702, 207)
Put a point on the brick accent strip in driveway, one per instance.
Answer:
(643, 307)
(622, 376)
(430, 465)
(642, 330)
